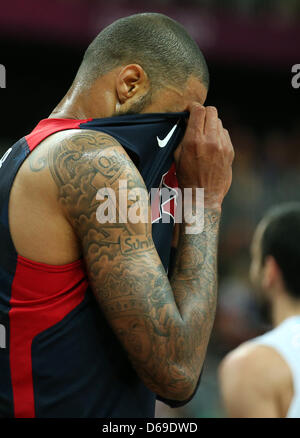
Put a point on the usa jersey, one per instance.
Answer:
(58, 355)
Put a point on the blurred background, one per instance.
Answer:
(250, 47)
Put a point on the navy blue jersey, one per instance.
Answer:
(58, 355)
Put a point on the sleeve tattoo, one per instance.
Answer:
(163, 325)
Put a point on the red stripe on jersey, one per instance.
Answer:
(48, 127)
(170, 179)
(42, 295)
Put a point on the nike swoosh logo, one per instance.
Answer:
(165, 141)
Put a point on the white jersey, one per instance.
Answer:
(285, 339)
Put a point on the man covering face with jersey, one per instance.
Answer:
(94, 326)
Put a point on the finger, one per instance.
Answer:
(225, 140)
(227, 136)
(229, 144)
(224, 135)
(220, 128)
(211, 121)
(221, 133)
(197, 118)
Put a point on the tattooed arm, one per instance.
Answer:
(163, 327)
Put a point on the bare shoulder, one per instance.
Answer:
(83, 162)
(69, 153)
(255, 381)
(79, 163)
(253, 362)
(59, 180)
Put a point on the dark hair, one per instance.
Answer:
(159, 44)
(281, 239)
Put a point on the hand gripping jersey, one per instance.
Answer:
(58, 355)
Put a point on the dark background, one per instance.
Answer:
(40, 73)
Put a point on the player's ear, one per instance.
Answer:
(131, 80)
(271, 275)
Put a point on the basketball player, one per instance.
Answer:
(261, 378)
(93, 325)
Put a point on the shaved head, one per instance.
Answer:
(160, 45)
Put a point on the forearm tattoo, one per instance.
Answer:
(164, 327)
